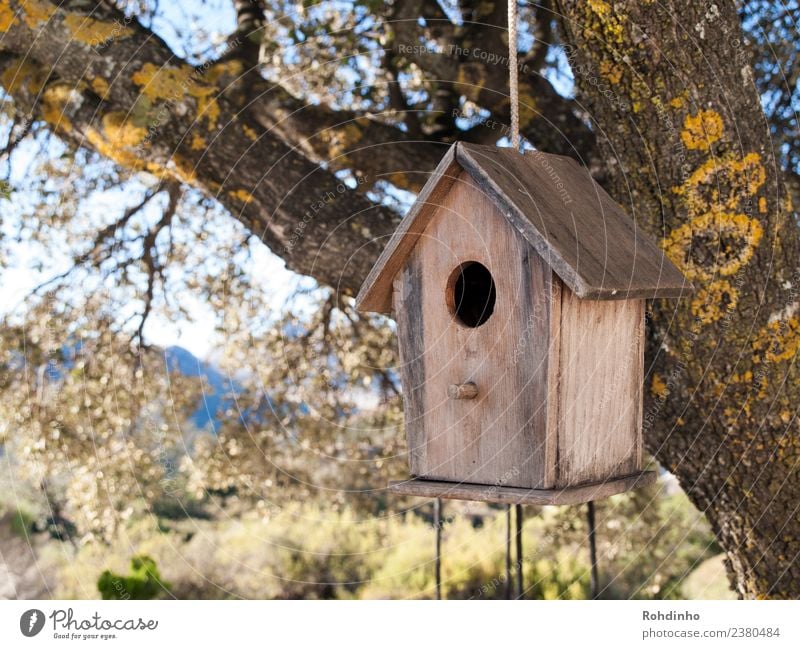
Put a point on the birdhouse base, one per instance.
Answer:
(518, 496)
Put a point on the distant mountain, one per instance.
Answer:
(218, 388)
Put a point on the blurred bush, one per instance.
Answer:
(22, 522)
(143, 582)
(648, 543)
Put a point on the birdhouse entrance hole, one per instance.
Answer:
(471, 294)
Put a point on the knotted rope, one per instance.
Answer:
(513, 72)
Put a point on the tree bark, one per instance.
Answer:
(672, 97)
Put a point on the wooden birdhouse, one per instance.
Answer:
(518, 286)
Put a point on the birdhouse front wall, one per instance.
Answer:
(504, 435)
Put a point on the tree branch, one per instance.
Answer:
(104, 81)
(114, 86)
(152, 263)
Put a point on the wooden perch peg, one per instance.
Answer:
(462, 391)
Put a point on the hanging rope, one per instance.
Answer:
(514, 100)
(513, 72)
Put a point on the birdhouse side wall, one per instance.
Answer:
(501, 437)
(601, 360)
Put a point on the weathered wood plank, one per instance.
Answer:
(407, 306)
(637, 385)
(515, 496)
(600, 388)
(376, 291)
(553, 379)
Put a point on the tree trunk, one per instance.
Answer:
(670, 91)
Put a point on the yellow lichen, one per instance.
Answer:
(55, 99)
(23, 72)
(678, 102)
(232, 68)
(730, 414)
(658, 388)
(36, 12)
(714, 243)
(7, 18)
(120, 131)
(604, 23)
(722, 183)
(160, 83)
(93, 32)
(207, 107)
(121, 141)
(778, 341)
(241, 195)
(123, 156)
(100, 87)
(700, 131)
(169, 83)
(183, 169)
(341, 140)
(745, 377)
(249, 132)
(197, 142)
(712, 301)
(528, 110)
(762, 205)
(112, 151)
(610, 71)
(599, 7)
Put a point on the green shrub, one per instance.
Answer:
(143, 582)
(564, 576)
(22, 522)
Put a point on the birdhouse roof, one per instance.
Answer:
(596, 249)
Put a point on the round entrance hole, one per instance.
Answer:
(471, 294)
